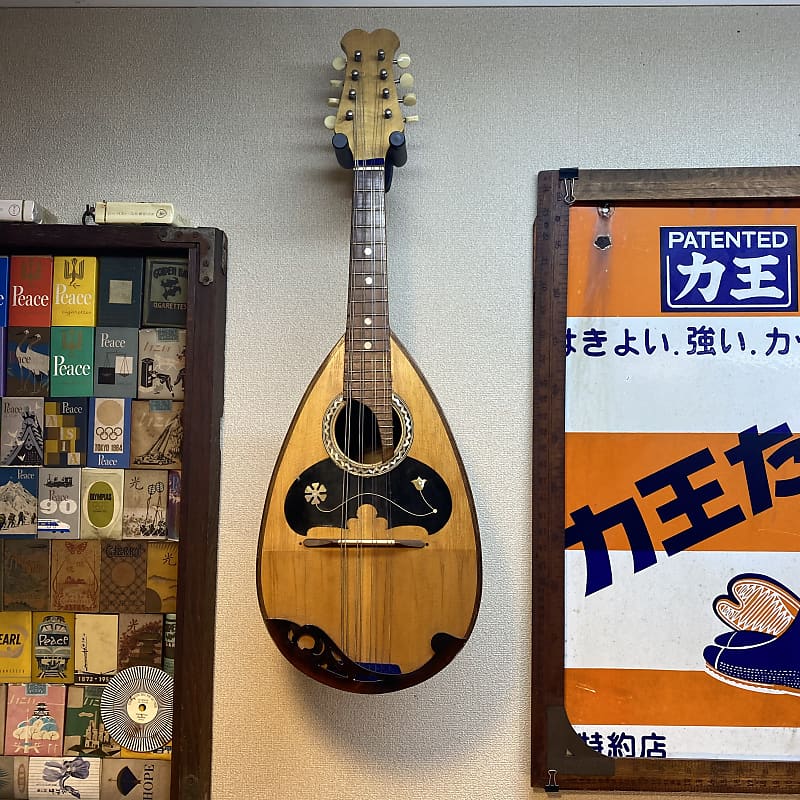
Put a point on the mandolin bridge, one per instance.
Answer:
(412, 543)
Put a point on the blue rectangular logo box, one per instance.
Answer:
(729, 268)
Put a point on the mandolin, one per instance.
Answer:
(369, 571)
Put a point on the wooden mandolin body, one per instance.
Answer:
(365, 615)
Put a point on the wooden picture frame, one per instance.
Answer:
(560, 758)
(206, 251)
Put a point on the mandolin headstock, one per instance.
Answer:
(368, 108)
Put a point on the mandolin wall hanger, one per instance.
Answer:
(396, 155)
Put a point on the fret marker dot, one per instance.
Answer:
(368, 280)
(367, 251)
(368, 345)
(368, 320)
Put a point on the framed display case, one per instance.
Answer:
(182, 287)
(666, 551)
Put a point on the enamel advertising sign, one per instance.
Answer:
(682, 482)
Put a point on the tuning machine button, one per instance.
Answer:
(403, 60)
(409, 99)
(406, 81)
(412, 118)
(333, 102)
(330, 122)
(336, 83)
(339, 63)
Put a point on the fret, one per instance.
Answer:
(357, 343)
(368, 199)
(374, 365)
(368, 288)
(373, 313)
(367, 215)
(369, 337)
(371, 220)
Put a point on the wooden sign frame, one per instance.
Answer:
(206, 250)
(559, 757)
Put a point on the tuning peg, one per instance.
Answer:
(406, 81)
(414, 118)
(403, 60)
(409, 99)
(339, 63)
(333, 102)
(336, 83)
(330, 122)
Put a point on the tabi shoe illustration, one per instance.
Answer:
(762, 653)
(758, 603)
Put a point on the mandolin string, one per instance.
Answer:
(370, 557)
(387, 398)
(350, 367)
(379, 289)
(375, 175)
(357, 254)
(383, 593)
(347, 379)
(378, 312)
(369, 360)
(365, 176)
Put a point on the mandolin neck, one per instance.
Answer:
(367, 359)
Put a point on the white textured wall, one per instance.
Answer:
(221, 111)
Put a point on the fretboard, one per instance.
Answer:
(367, 366)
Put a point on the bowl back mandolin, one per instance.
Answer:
(369, 572)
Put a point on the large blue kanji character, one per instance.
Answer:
(689, 501)
(701, 340)
(750, 454)
(593, 740)
(621, 745)
(589, 529)
(654, 746)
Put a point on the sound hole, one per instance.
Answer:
(356, 434)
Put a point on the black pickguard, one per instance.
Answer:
(326, 496)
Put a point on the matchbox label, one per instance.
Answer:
(729, 267)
